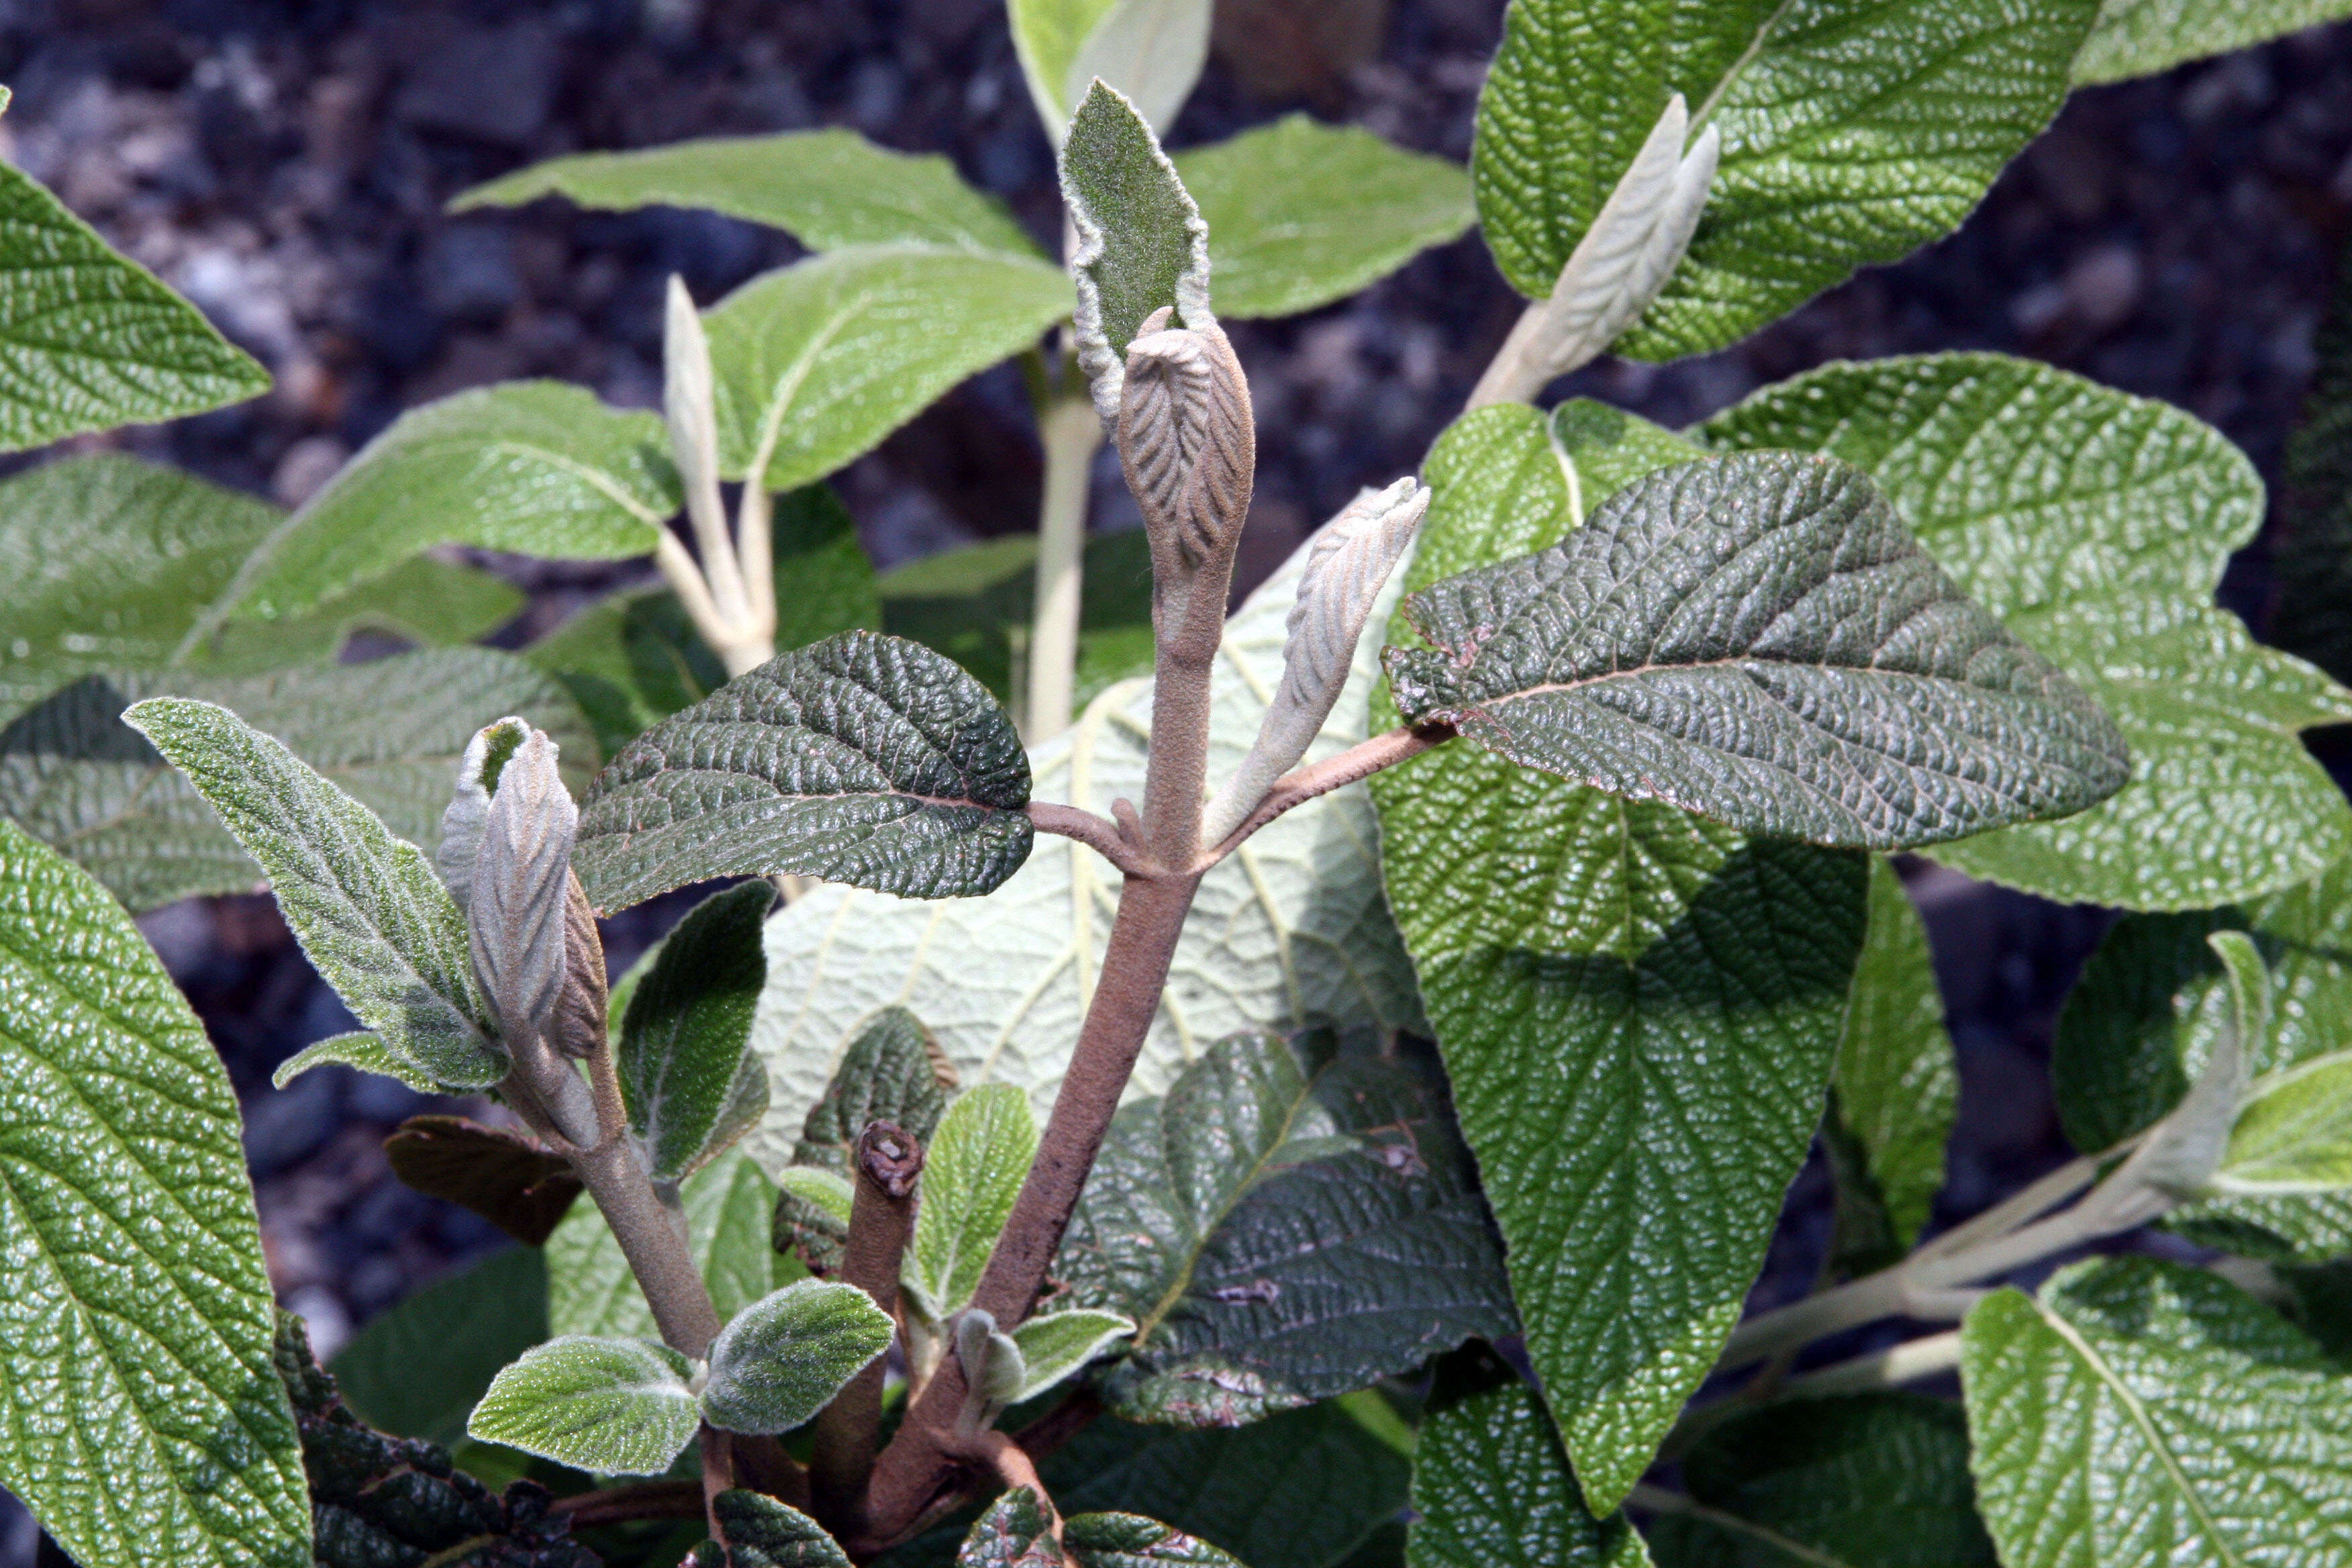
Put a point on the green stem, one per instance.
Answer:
(1072, 434)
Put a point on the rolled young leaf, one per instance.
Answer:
(367, 908)
(783, 1357)
(470, 805)
(691, 1086)
(514, 911)
(1760, 639)
(863, 759)
(613, 1407)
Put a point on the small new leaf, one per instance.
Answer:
(972, 1171)
(994, 1372)
(782, 1358)
(1132, 1541)
(691, 1086)
(1058, 1345)
(1760, 639)
(368, 909)
(358, 1049)
(863, 759)
(613, 1407)
(470, 805)
(761, 1532)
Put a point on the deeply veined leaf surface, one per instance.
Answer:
(1639, 1009)
(1853, 131)
(89, 339)
(830, 189)
(2097, 525)
(1289, 930)
(389, 732)
(1760, 639)
(2138, 1411)
(690, 1084)
(973, 1171)
(1492, 1489)
(1301, 214)
(539, 468)
(761, 1532)
(609, 1406)
(136, 1384)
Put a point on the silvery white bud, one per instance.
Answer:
(1187, 439)
(993, 1370)
(579, 1025)
(461, 822)
(515, 918)
(1347, 565)
(689, 397)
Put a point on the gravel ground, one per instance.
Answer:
(285, 165)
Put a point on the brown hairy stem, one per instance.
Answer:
(643, 1499)
(881, 1220)
(923, 1460)
(1098, 834)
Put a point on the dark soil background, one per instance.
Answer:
(286, 164)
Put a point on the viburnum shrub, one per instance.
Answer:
(954, 1194)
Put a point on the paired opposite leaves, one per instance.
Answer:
(368, 908)
(1760, 639)
(1639, 1009)
(691, 1084)
(2097, 525)
(1281, 1232)
(864, 760)
(1853, 131)
(89, 339)
(144, 1421)
(2138, 1411)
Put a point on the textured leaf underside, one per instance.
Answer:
(144, 1421)
(863, 759)
(1760, 639)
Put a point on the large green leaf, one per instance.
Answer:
(1866, 1481)
(865, 760)
(1853, 131)
(633, 659)
(1638, 1009)
(1301, 214)
(1282, 1230)
(972, 1171)
(1757, 639)
(368, 908)
(817, 362)
(535, 466)
(89, 339)
(2097, 525)
(614, 1408)
(691, 1085)
(1492, 1489)
(1896, 1090)
(2152, 1005)
(590, 1290)
(422, 600)
(2137, 1411)
(830, 188)
(418, 1368)
(1288, 929)
(2141, 37)
(390, 733)
(144, 1420)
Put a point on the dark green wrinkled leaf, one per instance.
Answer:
(369, 910)
(1492, 1489)
(1639, 1011)
(536, 467)
(761, 1532)
(1014, 1532)
(1853, 131)
(1759, 638)
(501, 1173)
(89, 339)
(1875, 1481)
(1301, 214)
(2104, 562)
(1281, 1230)
(691, 1084)
(418, 1368)
(2151, 1005)
(378, 1500)
(829, 188)
(892, 1072)
(389, 732)
(136, 1388)
(1132, 1541)
(2140, 1411)
(865, 760)
(1896, 1090)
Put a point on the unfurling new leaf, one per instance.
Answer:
(972, 1171)
(514, 907)
(1759, 639)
